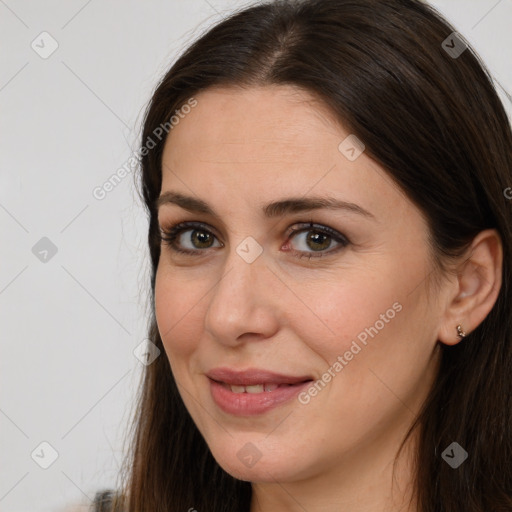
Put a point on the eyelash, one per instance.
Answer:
(169, 235)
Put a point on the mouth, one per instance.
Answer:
(257, 388)
(255, 377)
(253, 391)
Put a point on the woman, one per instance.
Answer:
(369, 134)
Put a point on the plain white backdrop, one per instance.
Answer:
(75, 77)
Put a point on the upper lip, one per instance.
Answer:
(253, 376)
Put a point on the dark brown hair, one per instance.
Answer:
(437, 126)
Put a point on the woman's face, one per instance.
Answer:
(328, 324)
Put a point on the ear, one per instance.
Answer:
(479, 277)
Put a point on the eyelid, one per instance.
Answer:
(178, 227)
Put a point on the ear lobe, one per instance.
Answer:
(478, 283)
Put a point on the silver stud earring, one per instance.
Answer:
(460, 332)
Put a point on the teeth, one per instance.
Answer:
(256, 388)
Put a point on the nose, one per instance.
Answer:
(244, 302)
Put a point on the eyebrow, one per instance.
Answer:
(271, 210)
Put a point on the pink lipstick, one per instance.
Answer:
(253, 391)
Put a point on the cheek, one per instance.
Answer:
(339, 313)
(376, 326)
(366, 362)
(178, 312)
(378, 331)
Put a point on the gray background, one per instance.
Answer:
(70, 321)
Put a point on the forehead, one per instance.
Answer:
(264, 142)
(266, 119)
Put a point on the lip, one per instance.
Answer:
(253, 376)
(251, 404)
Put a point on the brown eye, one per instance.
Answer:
(195, 238)
(202, 238)
(178, 239)
(317, 239)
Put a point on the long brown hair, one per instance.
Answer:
(435, 123)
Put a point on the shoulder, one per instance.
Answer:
(104, 501)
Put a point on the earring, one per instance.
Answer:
(460, 332)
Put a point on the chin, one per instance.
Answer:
(252, 465)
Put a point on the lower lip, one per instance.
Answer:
(251, 404)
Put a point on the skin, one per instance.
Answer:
(237, 150)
